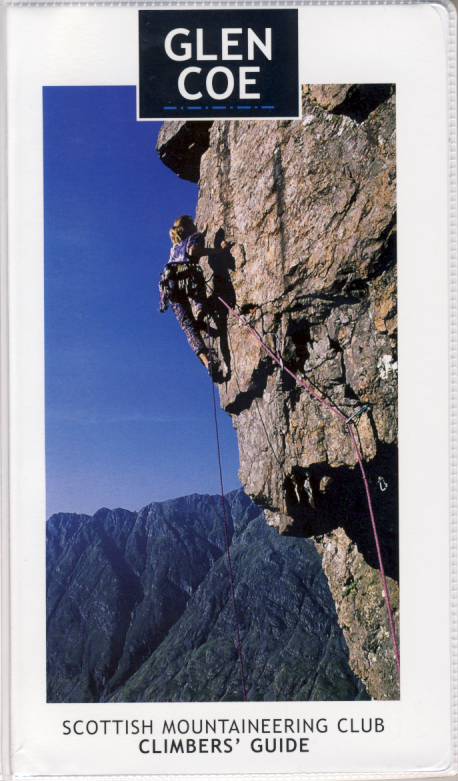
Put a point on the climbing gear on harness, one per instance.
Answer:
(350, 425)
(181, 278)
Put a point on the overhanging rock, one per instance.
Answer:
(181, 145)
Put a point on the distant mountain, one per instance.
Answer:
(139, 608)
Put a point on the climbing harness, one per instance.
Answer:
(238, 641)
(350, 426)
(181, 278)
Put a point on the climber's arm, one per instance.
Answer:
(198, 251)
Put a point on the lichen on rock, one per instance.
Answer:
(310, 205)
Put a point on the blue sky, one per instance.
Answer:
(128, 415)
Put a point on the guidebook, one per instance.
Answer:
(228, 406)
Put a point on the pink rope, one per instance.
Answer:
(389, 607)
(315, 393)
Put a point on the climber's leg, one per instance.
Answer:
(186, 320)
(207, 357)
(199, 296)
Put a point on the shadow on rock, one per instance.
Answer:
(321, 499)
(220, 266)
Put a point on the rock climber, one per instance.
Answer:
(182, 282)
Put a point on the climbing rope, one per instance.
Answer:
(226, 535)
(350, 426)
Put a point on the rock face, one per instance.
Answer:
(139, 608)
(310, 207)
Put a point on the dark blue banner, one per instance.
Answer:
(215, 64)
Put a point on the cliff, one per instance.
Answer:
(139, 608)
(310, 207)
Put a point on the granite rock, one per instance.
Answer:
(310, 206)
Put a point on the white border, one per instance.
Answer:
(26, 748)
(453, 357)
(5, 677)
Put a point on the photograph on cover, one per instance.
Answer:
(221, 401)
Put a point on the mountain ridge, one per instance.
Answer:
(139, 607)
